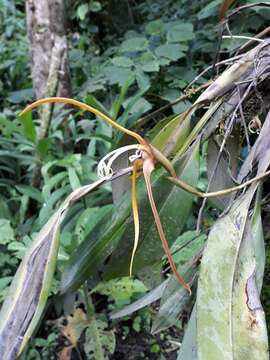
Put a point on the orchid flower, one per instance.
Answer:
(145, 158)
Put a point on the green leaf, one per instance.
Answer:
(98, 341)
(88, 219)
(152, 296)
(43, 146)
(122, 61)
(180, 33)
(134, 44)
(154, 27)
(250, 339)
(186, 246)
(24, 306)
(174, 300)
(95, 6)
(82, 10)
(95, 248)
(73, 178)
(139, 106)
(19, 96)
(120, 289)
(118, 75)
(258, 239)
(220, 285)
(170, 51)
(29, 129)
(6, 232)
(210, 9)
(188, 350)
(30, 191)
(174, 127)
(17, 247)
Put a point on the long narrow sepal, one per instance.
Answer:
(148, 167)
(135, 211)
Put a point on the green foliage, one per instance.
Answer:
(125, 63)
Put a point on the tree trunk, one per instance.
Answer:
(48, 47)
(46, 30)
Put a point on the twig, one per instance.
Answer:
(243, 120)
(241, 37)
(248, 45)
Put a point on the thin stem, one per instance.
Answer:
(90, 311)
(199, 193)
(241, 37)
(87, 108)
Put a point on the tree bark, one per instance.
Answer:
(46, 30)
(48, 45)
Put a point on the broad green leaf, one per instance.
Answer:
(19, 96)
(174, 300)
(151, 66)
(118, 75)
(152, 296)
(134, 44)
(248, 320)
(140, 106)
(99, 342)
(6, 232)
(95, 248)
(180, 32)
(73, 178)
(210, 9)
(162, 138)
(30, 287)
(30, 191)
(216, 281)
(88, 219)
(170, 51)
(154, 27)
(188, 350)
(122, 61)
(51, 183)
(186, 246)
(95, 6)
(82, 10)
(121, 289)
(29, 129)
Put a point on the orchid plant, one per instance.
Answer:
(144, 159)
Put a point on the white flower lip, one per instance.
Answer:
(104, 168)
